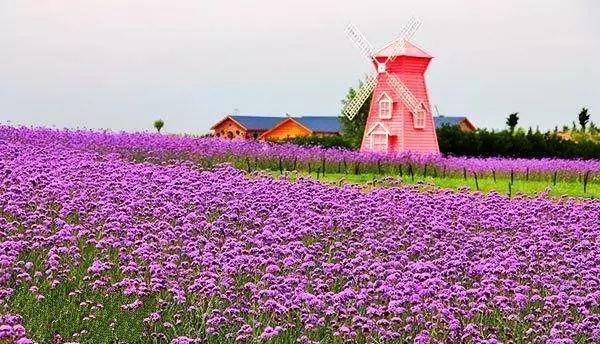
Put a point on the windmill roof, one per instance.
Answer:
(321, 124)
(257, 122)
(440, 121)
(409, 49)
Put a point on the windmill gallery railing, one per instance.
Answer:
(254, 155)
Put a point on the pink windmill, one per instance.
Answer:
(400, 116)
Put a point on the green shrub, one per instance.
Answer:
(322, 141)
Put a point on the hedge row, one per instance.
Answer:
(484, 143)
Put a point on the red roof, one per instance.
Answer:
(405, 48)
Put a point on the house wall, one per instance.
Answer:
(254, 134)
(229, 129)
(288, 128)
(465, 126)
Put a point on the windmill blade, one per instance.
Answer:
(407, 32)
(354, 105)
(359, 40)
(404, 93)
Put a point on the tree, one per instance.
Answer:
(584, 118)
(512, 120)
(353, 130)
(158, 124)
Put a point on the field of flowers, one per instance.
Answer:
(254, 155)
(96, 248)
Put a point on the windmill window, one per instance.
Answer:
(419, 119)
(385, 106)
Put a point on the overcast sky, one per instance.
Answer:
(120, 64)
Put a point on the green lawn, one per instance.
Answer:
(531, 187)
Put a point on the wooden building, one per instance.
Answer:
(400, 117)
(461, 121)
(303, 126)
(245, 127)
(275, 128)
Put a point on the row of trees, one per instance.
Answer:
(513, 143)
(485, 143)
(583, 118)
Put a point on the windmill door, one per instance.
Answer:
(379, 142)
(378, 138)
(393, 143)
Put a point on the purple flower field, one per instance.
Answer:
(95, 248)
(247, 154)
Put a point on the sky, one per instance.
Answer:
(121, 64)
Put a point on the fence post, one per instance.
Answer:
(464, 173)
(512, 176)
(527, 174)
(248, 164)
(379, 166)
(280, 166)
(323, 166)
(494, 175)
(425, 171)
(509, 190)
(476, 181)
(554, 177)
(410, 170)
(585, 181)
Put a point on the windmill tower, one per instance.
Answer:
(400, 117)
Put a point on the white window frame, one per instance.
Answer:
(419, 119)
(380, 130)
(385, 100)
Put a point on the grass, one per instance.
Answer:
(73, 318)
(567, 183)
(571, 188)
